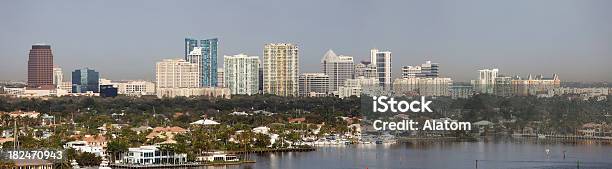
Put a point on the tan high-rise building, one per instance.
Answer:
(280, 69)
(176, 73)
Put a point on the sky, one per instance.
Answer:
(123, 39)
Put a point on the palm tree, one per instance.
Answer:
(246, 140)
(115, 147)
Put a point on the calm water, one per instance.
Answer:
(491, 153)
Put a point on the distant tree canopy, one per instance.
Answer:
(558, 112)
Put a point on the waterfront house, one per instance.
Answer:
(483, 126)
(152, 155)
(266, 130)
(595, 129)
(217, 157)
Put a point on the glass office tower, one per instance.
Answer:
(84, 80)
(205, 57)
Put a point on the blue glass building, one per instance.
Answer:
(189, 45)
(84, 80)
(207, 61)
(108, 91)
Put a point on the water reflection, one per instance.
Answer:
(490, 153)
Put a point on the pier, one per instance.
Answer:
(187, 165)
(305, 149)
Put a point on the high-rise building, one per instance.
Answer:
(338, 68)
(203, 53)
(220, 77)
(85, 80)
(365, 69)
(486, 81)
(177, 73)
(172, 75)
(382, 61)
(535, 85)
(242, 74)
(280, 69)
(190, 44)
(313, 84)
(261, 79)
(426, 70)
(40, 66)
(487, 76)
(58, 76)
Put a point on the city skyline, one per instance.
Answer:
(561, 39)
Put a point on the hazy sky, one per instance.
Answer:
(124, 39)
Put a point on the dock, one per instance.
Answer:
(305, 149)
(187, 165)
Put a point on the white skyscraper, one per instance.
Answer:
(382, 61)
(281, 69)
(338, 68)
(487, 76)
(241, 74)
(58, 76)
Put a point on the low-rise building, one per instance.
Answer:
(423, 86)
(354, 87)
(218, 157)
(151, 155)
(136, 88)
(189, 92)
(83, 146)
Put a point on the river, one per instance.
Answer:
(511, 153)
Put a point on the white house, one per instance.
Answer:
(150, 155)
(83, 146)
